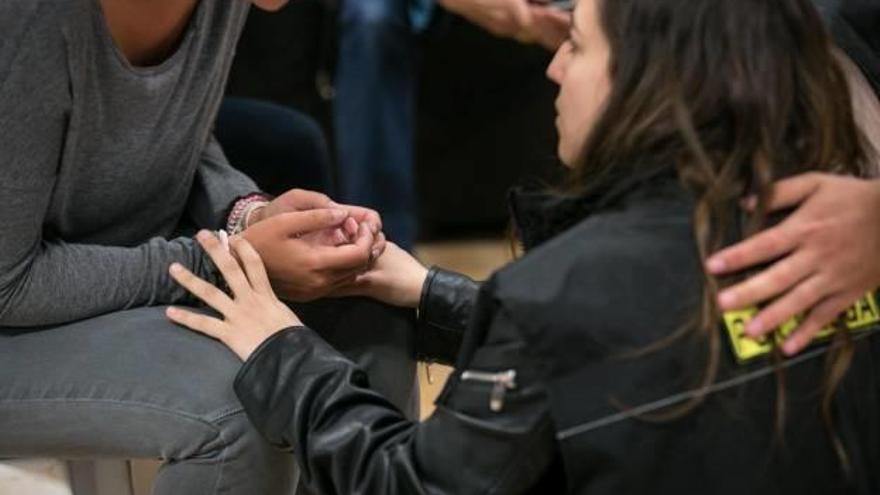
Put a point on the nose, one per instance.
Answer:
(556, 69)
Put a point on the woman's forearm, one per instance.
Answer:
(306, 397)
(58, 282)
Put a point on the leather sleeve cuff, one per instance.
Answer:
(444, 312)
(268, 381)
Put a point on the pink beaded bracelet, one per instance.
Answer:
(241, 211)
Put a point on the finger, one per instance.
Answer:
(253, 265)
(560, 19)
(361, 214)
(771, 282)
(820, 317)
(788, 193)
(339, 237)
(297, 223)
(212, 327)
(205, 292)
(379, 245)
(223, 260)
(760, 248)
(329, 237)
(797, 301)
(349, 257)
(350, 227)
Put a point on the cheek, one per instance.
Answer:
(582, 98)
(591, 99)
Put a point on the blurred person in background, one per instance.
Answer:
(376, 84)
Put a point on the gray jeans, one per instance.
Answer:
(133, 385)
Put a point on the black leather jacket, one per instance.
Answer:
(545, 399)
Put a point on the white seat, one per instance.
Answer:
(34, 477)
(56, 477)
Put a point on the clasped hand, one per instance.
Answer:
(251, 312)
(311, 246)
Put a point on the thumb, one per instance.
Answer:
(296, 223)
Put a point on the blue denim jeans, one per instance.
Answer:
(374, 112)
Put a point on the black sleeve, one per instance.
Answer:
(855, 25)
(444, 311)
(306, 397)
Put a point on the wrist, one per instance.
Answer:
(242, 209)
(416, 287)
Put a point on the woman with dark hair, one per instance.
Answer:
(600, 361)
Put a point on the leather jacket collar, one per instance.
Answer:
(540, 214)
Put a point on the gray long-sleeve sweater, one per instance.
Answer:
(101, 162)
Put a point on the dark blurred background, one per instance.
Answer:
(485, 108)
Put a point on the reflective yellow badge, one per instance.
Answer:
(862, 314)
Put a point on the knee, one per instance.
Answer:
(233, 457)
(238, 440)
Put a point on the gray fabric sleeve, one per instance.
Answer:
(217, 185)
(47, 281)
(56, 283)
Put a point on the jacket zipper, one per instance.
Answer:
(501, 382)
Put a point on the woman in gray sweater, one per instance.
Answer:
(107, 165)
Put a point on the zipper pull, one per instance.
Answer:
(501, 382)
(428, 375)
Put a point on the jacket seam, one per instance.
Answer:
(671, 400)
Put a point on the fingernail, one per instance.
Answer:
(755, 327)
(375, 229)
(749, 202)
(716, 265)
(175, 268)
(203, 235)
(339, 214)
(726, 300)
(333, 204)
(789, 347)
(376, 253)
(171, 311)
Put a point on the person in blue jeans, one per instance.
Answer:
(374, 112)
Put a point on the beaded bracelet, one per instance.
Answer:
(241, 211)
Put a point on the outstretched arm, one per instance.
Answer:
(305, 396)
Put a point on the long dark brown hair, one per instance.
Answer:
(735, 94)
